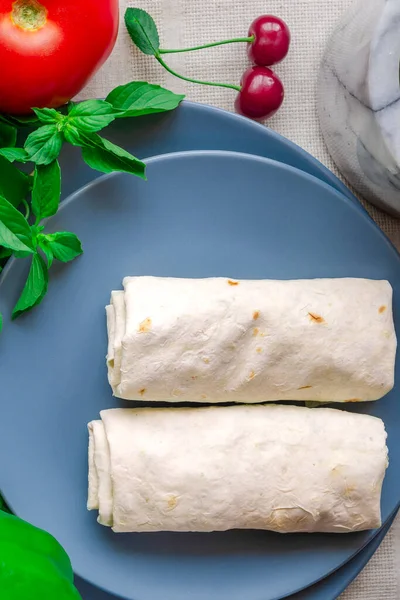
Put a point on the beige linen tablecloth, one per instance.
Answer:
(185, 23)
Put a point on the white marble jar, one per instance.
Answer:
(359, 100)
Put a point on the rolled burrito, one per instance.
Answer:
(222, 340)
(281, 468)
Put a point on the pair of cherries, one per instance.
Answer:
(261, 91)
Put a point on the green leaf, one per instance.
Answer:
(7, 120)
(143, 30)
(14, 154)
(141, 98)
(73, 135)
(14, 185)
(44, 246)
(91, 115)
(48, 115)
(44, 144)
(8, 135)
(5, 252)
(23, 121)
(103, 155)
(36, 229)
(3, 505)
(15, 232)
(65, 246)
(35, 287)
(22, 253)
(106, 157)
(46, 190)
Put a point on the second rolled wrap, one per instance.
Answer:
(282, 468)
(223, 340)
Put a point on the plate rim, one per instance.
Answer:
(283, 140)
(337, 183)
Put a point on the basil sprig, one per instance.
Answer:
(24, 240)
(78, 124)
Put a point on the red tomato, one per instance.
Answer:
(49, 49)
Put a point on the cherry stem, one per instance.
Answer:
(213, 83)
(233, 40)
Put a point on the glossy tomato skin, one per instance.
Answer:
(49, 65)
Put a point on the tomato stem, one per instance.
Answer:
(29, 15)
(233, 40)
(213, 83)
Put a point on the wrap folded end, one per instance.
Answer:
(93, 487)
(99, 480)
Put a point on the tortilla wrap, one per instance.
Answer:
(276, 467)
(222, 340)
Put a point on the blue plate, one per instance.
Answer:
(194, 127)
(200, 214)
(326, 589)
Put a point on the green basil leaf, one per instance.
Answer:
(73, 135)
(103, 155)
(7, 120)
(91, 115)
(35, 287)
(23, 121)
(44, 246)
(14, 154)
(15, 232)
(5, 252)
(14, 185)
(44, 144)
(22, 253)
(46, 190)
(140, 98)
(106, 157)
(87, 108)
(143, 30)
(8, 135)
(64, 246)
(48, 115)
(3, 505)
(37, 229)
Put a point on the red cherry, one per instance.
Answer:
(271, 40)
(261, 94)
